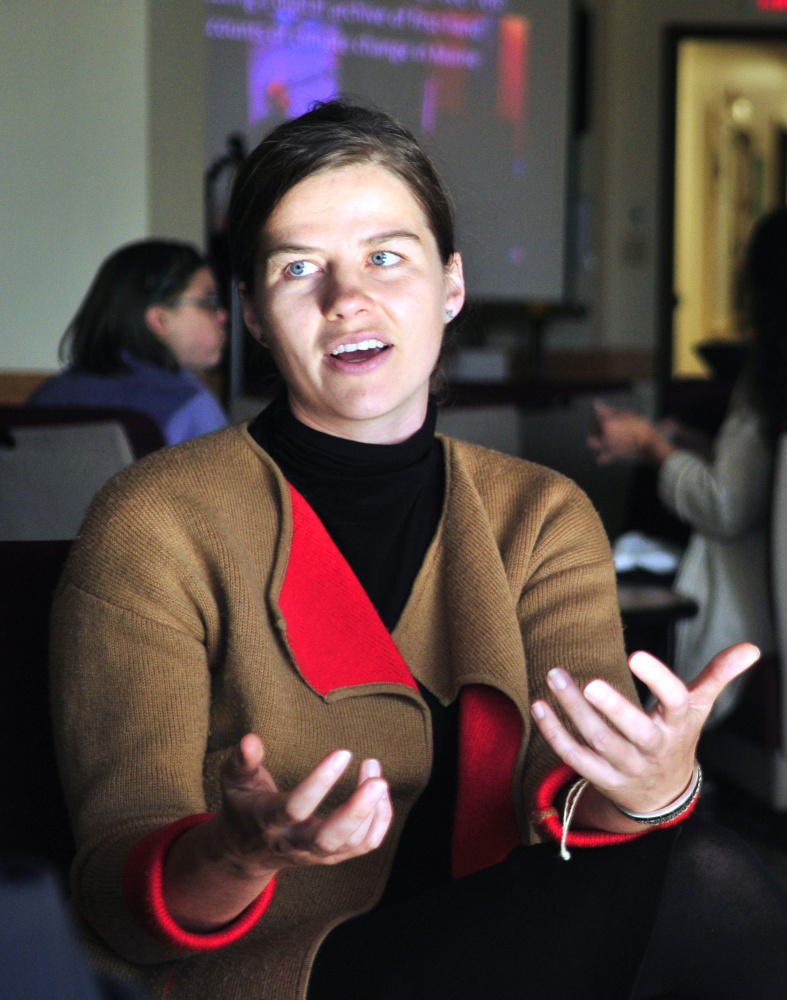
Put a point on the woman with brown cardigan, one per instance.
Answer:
(324, 685)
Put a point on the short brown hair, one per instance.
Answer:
(331, 135)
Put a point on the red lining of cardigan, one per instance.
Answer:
(142, 890)
(335, 649)
(490, 735)
(333, 629)
(546, 815)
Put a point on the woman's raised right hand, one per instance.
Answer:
(265, 829)
(217, 868)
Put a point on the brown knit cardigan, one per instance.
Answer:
(169, 645)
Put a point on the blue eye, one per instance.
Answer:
(299, 268)
(385, 258)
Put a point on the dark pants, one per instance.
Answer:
(684, 912)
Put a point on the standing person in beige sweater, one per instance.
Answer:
(722, 489)
(246, 615)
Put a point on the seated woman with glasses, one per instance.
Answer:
(150, 319)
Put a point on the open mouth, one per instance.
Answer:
(363, 351)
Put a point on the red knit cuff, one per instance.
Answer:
(142, 891)
(546, 816)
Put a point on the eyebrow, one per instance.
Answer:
(287, 248)
(393, 234)
(296, 248)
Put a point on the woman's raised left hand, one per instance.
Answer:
(639, 760)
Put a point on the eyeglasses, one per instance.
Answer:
(210, 302)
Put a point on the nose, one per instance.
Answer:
(345, 296)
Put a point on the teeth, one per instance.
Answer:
(365, 345)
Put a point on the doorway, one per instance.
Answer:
(729, 145)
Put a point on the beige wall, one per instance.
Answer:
(176, 118)
(101, 123)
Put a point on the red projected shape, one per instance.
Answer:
(512, 73)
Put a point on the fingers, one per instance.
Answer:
(590, 714)
(633, 761)
(602, 410)
(580, 758)
(597, 444)
(355, 827)
(616, 433)
(633, 730)
(630, 720)
(243, 770)
(359, 824)
(251, 753)
(362, 823)
(278, 829)
(724, 667)
(381, 822)
(638, 759)
(596, 439)
(369, 768)
(676, 699)
(668, 688)
(306, 797)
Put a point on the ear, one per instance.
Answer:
(454, 285)
(251, 316)
(157, 320)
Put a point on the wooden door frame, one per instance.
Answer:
(672, 36)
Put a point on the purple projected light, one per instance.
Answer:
(284, 80)
(484, 82)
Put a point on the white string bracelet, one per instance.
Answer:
(675, 808)
(568, 814)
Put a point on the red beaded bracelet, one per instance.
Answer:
(545, 814)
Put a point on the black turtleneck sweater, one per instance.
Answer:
(381, 504)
